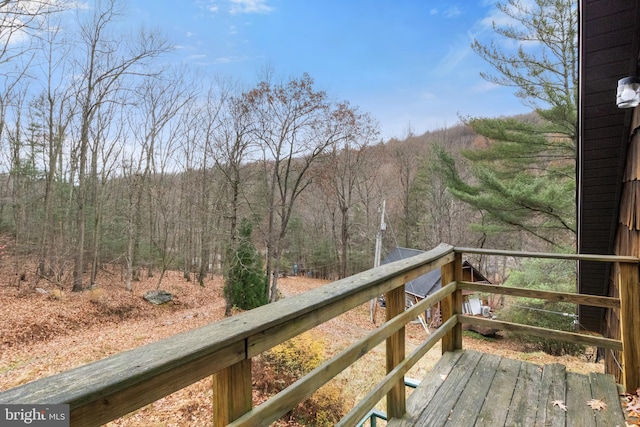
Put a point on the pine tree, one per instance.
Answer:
(522, 172)
(523, 180)
(246, 280)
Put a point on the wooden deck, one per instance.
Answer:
(468, 388)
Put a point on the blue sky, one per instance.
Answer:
(406, 62)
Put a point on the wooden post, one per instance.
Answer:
(452, 304)
(232, 393)
(395, 345)
(630, 325)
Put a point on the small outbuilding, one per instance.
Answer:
(423, 286)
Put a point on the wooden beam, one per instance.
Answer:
(376, 394)
(575, 257)
(571, 337)
(282, 402)
(452, 305)
(126, 382)
(232, 393)
(395, 350)
(112, 387)
(630, 325)
(582, 299)
(332, 300)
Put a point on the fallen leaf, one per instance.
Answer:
(560, 404)
(597, 404)
(633, 406)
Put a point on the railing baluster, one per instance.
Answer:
(395, 345)
(452, 305)
(231, 393)
(630, 325)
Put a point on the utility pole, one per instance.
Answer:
(378, 255)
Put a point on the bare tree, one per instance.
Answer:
(154, 124)
(232, 150)
(405, 160)
(55, 112)
(108, 60)
(340, 174)
(294, 124)
(21, 27)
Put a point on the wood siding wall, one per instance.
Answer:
(628, 233)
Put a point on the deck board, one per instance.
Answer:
(468, 388)
(524, 403)
(552, 389)
(607, 391)
(578, 390)
(474, 397)
(503, 385)
(449, 392)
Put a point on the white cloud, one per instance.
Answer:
(484, 86)
(428, 95)
(434, 11)
(249, 6)
(208, 5)
(500, 18)
(229, 59)
(452, 11)
(456, 54)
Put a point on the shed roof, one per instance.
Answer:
(427, 283)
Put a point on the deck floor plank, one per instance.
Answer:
(449, 393)
(552, 389)
(496, 406)
(524, 403)
(578, 393)
(474, 396)
(467, 388)
(607, 391)
(432, 382)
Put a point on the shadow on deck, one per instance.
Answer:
(468, 388)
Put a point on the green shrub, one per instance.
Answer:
(245, 280)
(284, 364)
(547, 275)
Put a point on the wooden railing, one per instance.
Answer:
(112, 387)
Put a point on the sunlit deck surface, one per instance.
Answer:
(468, 388)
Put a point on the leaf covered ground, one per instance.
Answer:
(45, 331)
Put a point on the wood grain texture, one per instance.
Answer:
(395, 353)
(466, 388)
(591, 300)
(630, 326)
(232, 394)
(571, 337)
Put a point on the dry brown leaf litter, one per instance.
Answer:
(631, 403)
(43, 334)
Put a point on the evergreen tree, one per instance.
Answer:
(246, 280)
(523, 170)
(523, 180)
(545, 275)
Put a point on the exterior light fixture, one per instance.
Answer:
(628, 94)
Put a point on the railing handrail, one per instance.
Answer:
(109, 388)
(548, 255)
(114, 386)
